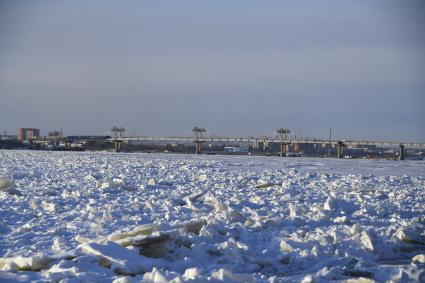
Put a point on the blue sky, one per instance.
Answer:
(237, 68)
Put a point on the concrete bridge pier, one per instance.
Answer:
(198, 147)
(401, 156)
(118, 145)
(255, 145)
(340, 149)
(265, 145)
(282, 149)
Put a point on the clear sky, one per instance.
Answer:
(237, 68)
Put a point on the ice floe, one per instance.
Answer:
(72, 217)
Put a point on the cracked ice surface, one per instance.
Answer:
(183, 218)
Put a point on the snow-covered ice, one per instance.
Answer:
(85, 216)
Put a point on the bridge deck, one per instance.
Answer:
(274, 140)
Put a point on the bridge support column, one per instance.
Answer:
(255, 145)
(282, 149)
(117, 146)
(401, 156)
(340, 149)
(265, 145)
(198, 147)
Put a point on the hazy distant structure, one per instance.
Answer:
(330, 139)
(401, 155)
(121, 130)
(54, 134)
(25, 134)
(283, 135)
(118, 132)
(340, 149)
(115, 131)
(198, 138)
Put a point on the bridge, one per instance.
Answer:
(255, 142)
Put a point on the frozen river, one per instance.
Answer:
(183, 218)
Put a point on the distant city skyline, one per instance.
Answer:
(237, 68)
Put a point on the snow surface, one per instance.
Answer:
(72, 217)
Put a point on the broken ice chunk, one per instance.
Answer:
(256, 200)
(337, 236)
(159, 276)
(227, 276)
(367, 239)
(191, 273)
(59, 244)
(202, 177)
(124, 279)
(90, 178)
(341, 219)
(333, 204)
(359, 280)
(119, 259)
(146, 229)
(355, 229)
(285, 247)
(410, 236)
(34, 263)
(48, 207)
(293, 210)
(330, 204)
(194, 226)
(5, 183)
(20, 276)
(420, 258)
(151, 182)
